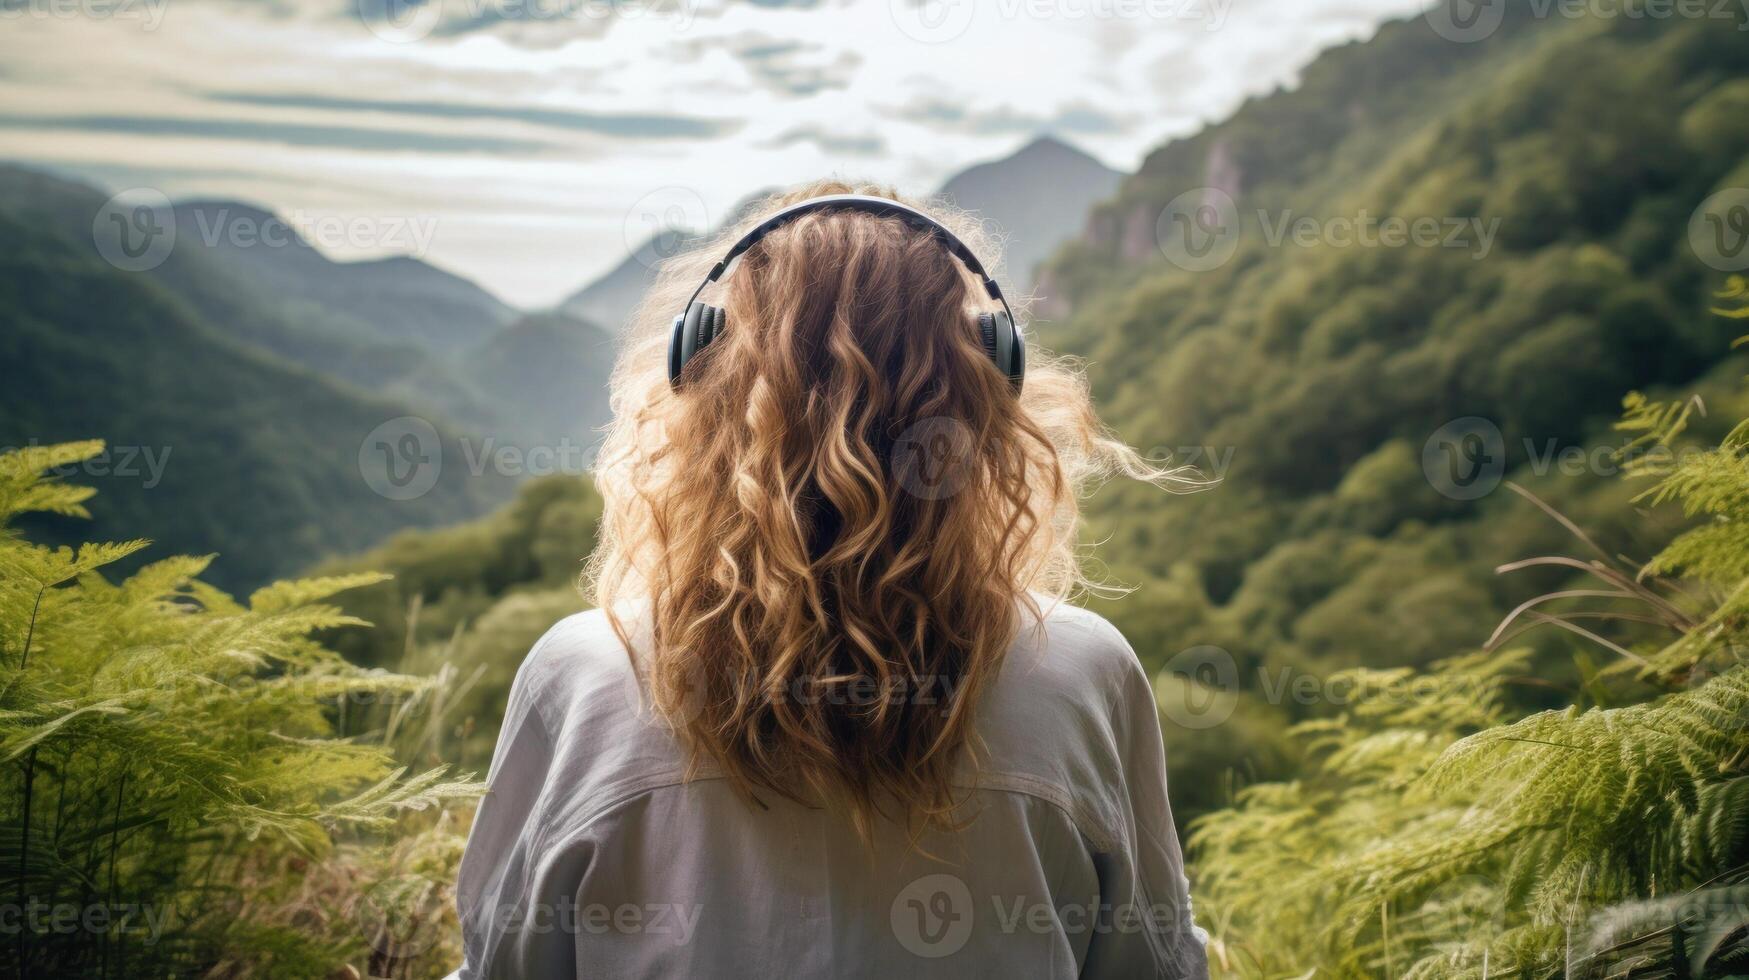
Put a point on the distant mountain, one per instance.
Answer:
(540, 382)
(230, 299)
(1035, 199)
(611, 299)
(397, 326)
(434, 339)
(216, 445)
(395, 300)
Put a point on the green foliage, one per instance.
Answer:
(1445, 837)
(170, 751)
(473, 598)
(1579, 783)
(1313, 377)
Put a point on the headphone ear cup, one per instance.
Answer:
(1004, 344)
(987, 334)
(710, 326)
(697, 327)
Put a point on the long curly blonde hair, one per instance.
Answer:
(833, 529)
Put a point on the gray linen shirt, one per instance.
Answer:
(593, 855)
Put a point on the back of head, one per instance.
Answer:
(837, 521)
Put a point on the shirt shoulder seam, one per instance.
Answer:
(627, 791)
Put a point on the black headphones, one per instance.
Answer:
(702, 323)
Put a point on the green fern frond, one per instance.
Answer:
(396, 792)
(284, 595)
(160, 736)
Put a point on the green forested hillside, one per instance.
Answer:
(254, 372)
(400, 299)
(1314, 373)
(542, 380)
(215, 287)
(214, 447)
(398, 325)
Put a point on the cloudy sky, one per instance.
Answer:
(530, 144)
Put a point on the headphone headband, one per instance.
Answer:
(884, 207)
(699, 323)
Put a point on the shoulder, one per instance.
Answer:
(576, 662)
(1061, 718)
(581, 642)
(1068, 650)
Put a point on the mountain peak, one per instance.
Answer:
(1050, 145)
(1037, 197)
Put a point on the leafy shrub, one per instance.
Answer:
(1439, 834)
(178, 799)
